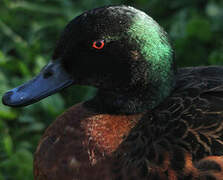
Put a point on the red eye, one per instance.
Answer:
(98, 44)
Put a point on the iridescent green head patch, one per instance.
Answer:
(153, 44)
(152, 41)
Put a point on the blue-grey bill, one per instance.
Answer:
(50, 80)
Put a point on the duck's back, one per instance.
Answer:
(199, 104)
(178, 140)
(182, 138)
(205, 77)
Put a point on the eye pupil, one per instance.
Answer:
(98, 44)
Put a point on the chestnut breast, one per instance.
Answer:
(81, 143)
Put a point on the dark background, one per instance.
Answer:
(28, 33)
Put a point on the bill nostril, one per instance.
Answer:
(7, 97)
(47, 74)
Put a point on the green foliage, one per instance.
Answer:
(28, 33)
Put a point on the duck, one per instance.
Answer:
(149, 120)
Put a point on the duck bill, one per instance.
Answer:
(50, 80)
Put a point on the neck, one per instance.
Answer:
(128, 102)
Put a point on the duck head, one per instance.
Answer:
(118, 49)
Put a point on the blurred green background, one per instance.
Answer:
(28, 33)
